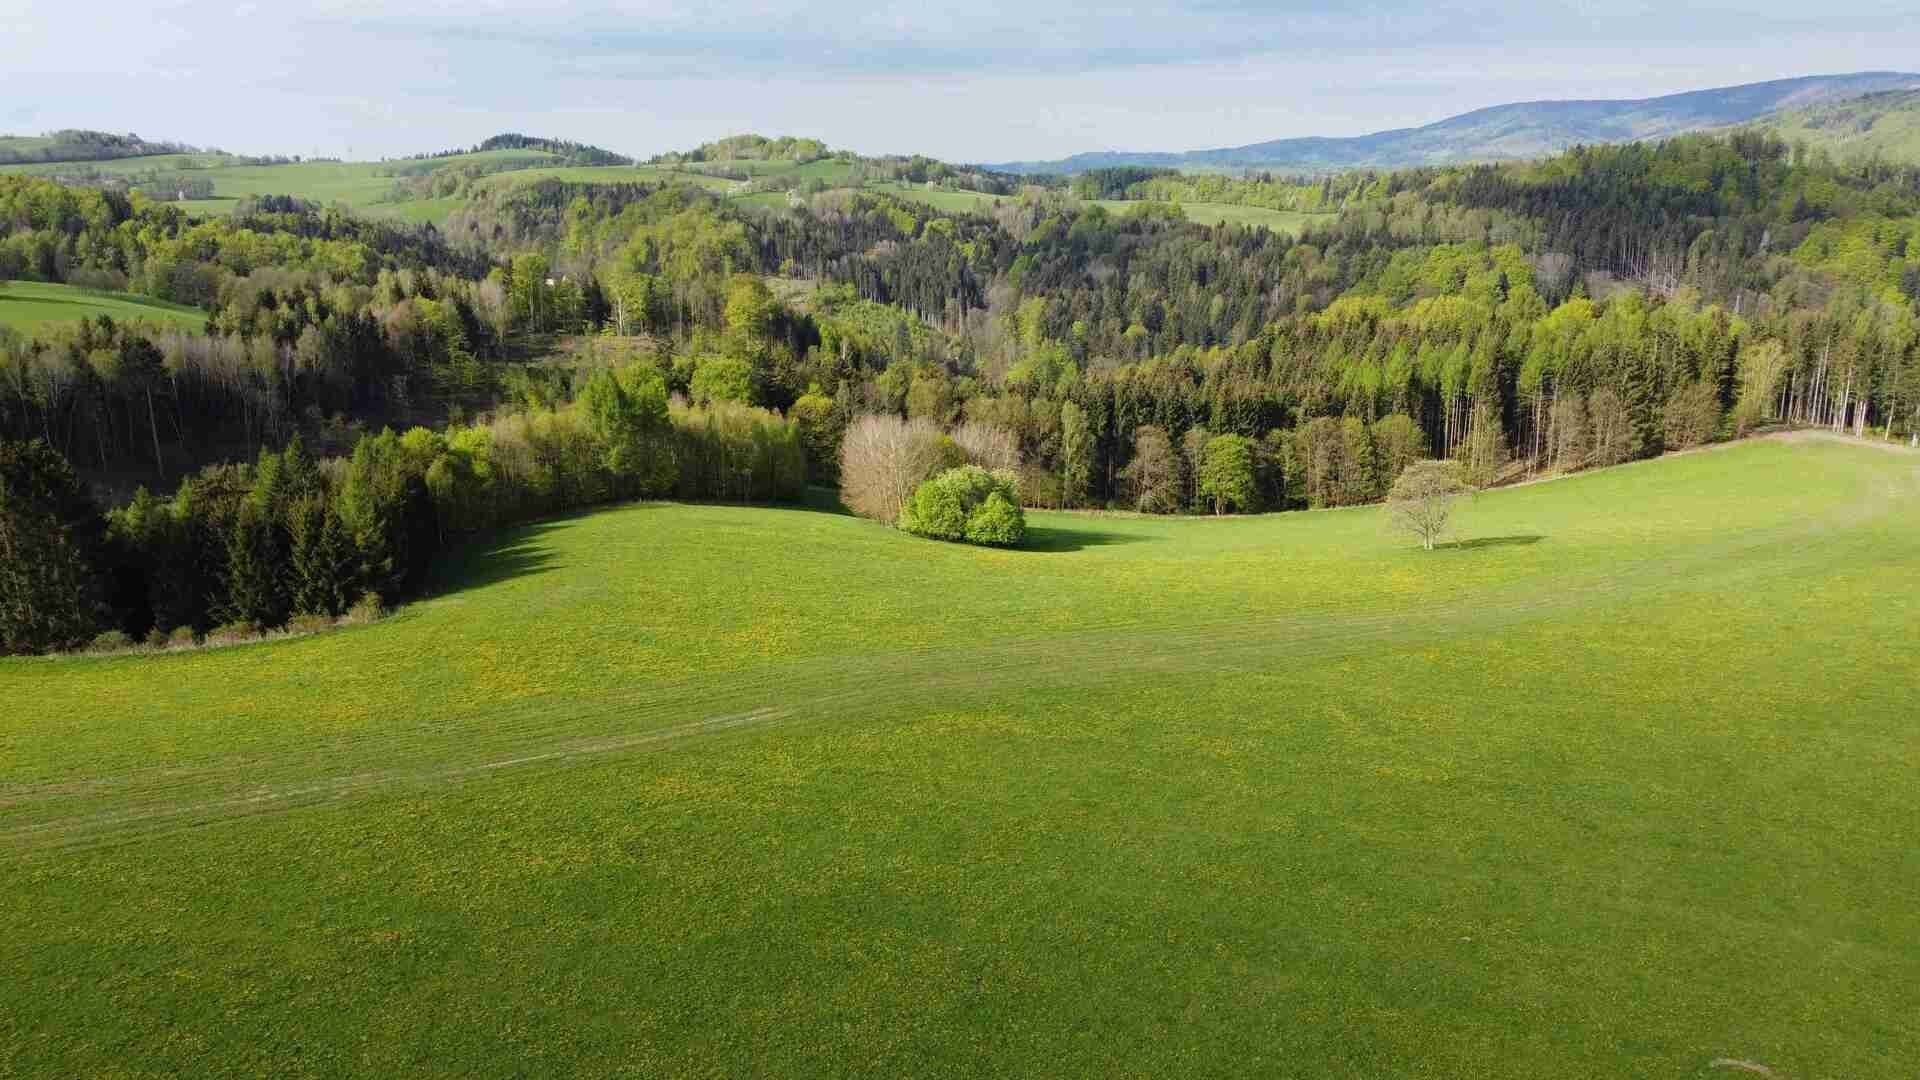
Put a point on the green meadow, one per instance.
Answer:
(28, 306)
(1287, 221)
(1619, 784)
(367, 187)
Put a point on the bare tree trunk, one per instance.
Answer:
(153, 425)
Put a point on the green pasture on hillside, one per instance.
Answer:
(28, 306)
(1619, 785)
(120, 166)
(367, 187)
(1287, 221)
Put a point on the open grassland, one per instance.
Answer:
(121, 166)
(1878, 127)
(364, 186)
(947, 199)
(367, 187)
(1619, 786)
(28, 306)
(1287, 221)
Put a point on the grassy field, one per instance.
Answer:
(28, 306)
(958, 202)
(1620, 785)
(1878, 127)
(122, 166)
(367, 186)
(1288, 221)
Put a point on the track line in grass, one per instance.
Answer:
(148, 818)
(107, 807)
(555, 725)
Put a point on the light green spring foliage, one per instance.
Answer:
(628, 412)
(1226, 474)
(967, 504)
(721, 378)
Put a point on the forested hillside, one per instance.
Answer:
(564, 151)
(1527, 129)
(561, 343)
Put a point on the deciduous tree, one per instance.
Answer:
(1226, 473)
(1422, 499)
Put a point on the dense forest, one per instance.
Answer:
(566, 151)
(365, 393)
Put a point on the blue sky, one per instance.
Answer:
(991, 80)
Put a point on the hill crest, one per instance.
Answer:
(1513, 131)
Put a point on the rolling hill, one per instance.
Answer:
(1884, 125)
(28, 306)
(1510, 132)
(775, 790)
(75, 145)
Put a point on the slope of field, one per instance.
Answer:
(71, 145)
(1619, 786)
(365, 186)
(1527, 129)
(27, 306)
(1288, 221)
(1886, 126)
(123, 166)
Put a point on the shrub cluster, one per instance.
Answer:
(967, 504)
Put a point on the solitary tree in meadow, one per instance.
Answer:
(1423, 497)
(1226, 473)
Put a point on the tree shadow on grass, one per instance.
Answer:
(1492, 541)
(820, 500)
(520, 551)
(1057, 538)
(47, 300)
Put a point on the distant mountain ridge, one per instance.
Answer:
(1509, 132)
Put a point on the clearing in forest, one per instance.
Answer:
(30, 306)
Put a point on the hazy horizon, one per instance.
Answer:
(997, 82)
